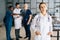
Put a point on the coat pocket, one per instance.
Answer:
(48, 37)
(37, 37)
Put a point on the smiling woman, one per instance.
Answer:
(42, 24)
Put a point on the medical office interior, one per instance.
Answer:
(33, 5)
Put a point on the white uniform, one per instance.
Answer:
(43, 24)
(17, 21)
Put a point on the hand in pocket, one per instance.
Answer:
(37, 33)
(49, 33)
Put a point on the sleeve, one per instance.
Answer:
(14, 11)
(50, 28)
(29, 12)
(7, 14)
(33, 24)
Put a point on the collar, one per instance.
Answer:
(42, 15)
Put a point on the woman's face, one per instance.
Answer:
(43, 8)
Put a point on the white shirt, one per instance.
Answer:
(43, 24)
(16, 11)
(17, 21)
(43, 21)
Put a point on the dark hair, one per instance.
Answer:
(10, 7)
(16, 4)
(41, 3)
(25, 3)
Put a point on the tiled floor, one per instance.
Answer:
(22, 33)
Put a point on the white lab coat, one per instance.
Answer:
(43, 24)
(17, 21)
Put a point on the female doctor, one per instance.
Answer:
(42, 24)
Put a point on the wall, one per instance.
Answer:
(2, 10)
